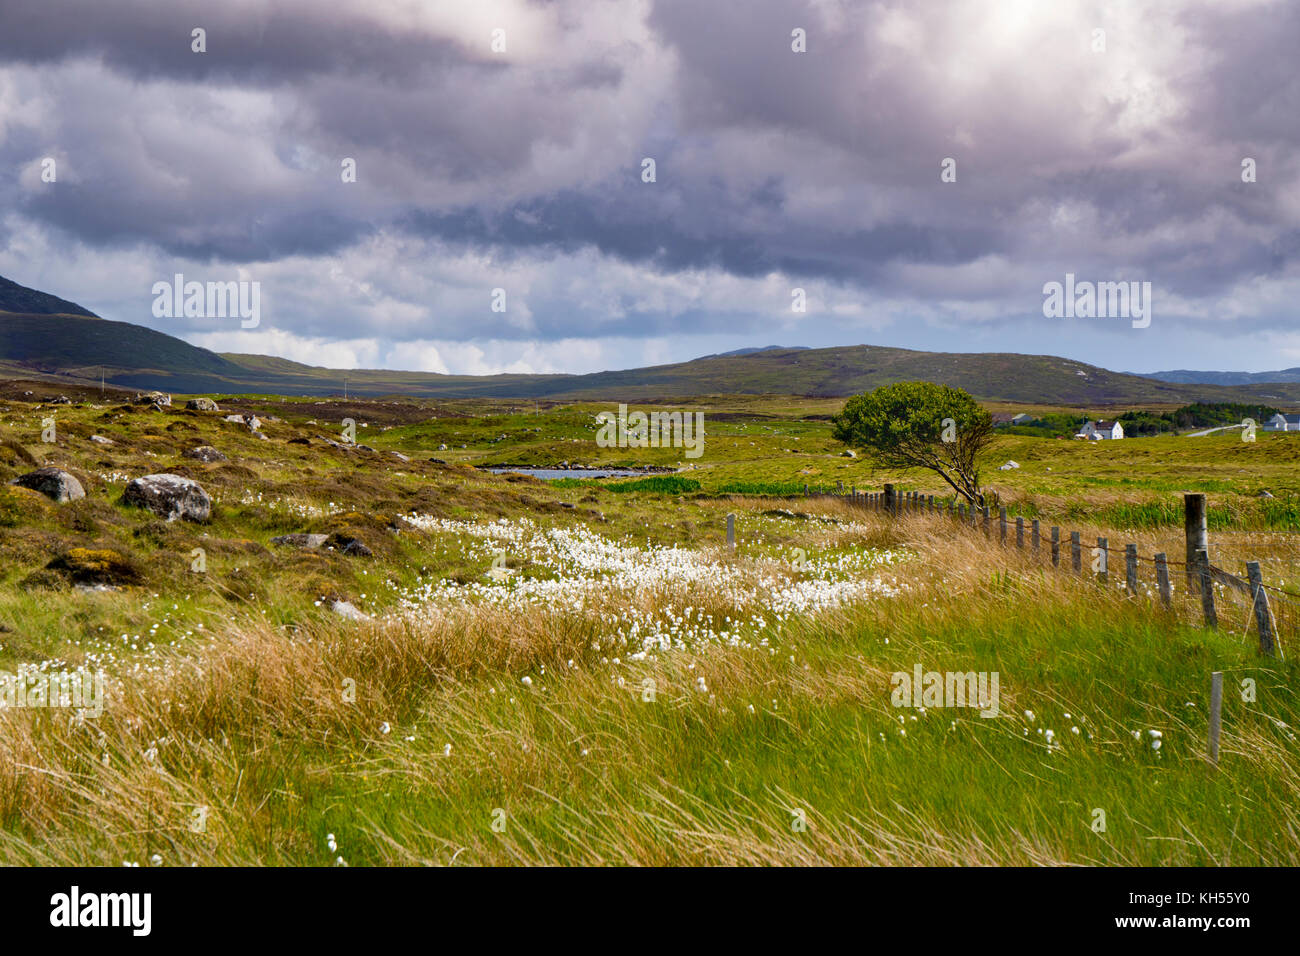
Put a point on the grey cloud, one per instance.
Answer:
(822, 165)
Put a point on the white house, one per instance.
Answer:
(1283, 423)
(1097, 431)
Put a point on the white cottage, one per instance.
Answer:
(1283, 423)
(1101, 430)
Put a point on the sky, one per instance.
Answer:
(919, 170)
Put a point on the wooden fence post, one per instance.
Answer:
(1216, 713)
(889, 499)
(1207, 588)
(731, 531)
(1263, 613)
(1056, 546)
(1196, 530)
(988, 525)
(1035, 539)
(1020, 532)
(1162, 579)
(1131, 568)
(1002, 526)
(1103, 553)
(1076, 552)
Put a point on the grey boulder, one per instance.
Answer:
(205, 453)
(300, 540)
(54, 483)
(170, 497)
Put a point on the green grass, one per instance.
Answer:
(244, 678)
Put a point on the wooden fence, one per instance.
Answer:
(1201, 575)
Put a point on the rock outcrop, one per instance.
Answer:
(170, 497)
(54, 483)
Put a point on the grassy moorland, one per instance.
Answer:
(580, 672)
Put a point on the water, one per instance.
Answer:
(551, 474)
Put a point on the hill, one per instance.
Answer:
(77, 347)
(1189, 377)
(18, 298)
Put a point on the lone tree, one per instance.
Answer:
(920, 425)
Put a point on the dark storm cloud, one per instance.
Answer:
(254, 44)
(821, 165)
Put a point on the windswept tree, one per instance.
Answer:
(920, 425)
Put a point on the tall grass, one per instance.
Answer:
(717, 766)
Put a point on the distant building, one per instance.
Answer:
(1283, 423)
(1005, 419)
(1101, 430)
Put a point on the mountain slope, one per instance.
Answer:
(19, 298)
(129, 354)
(80, 346)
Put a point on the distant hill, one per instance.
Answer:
(76, 347)
(19, 298)
(1188, 377)
(753, 351)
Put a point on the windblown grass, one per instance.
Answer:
(579, 765)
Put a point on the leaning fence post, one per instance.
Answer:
(1076, 552)
(1263, 613)
(1162, 579)
(1056, 547)
(731, 531)
(1196, 530)
(1207, 589)
(1216, 713)
(1131, 568)
(1020, 532)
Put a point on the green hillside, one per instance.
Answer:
(843, 370)
(129, 354)
(36, 341)
(18, 298)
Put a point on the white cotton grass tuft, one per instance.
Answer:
(587, 567)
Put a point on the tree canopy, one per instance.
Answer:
(920, 425)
